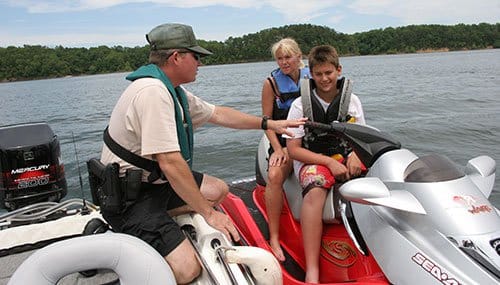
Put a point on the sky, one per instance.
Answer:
(89, 23)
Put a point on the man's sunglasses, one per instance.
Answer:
(196, 56)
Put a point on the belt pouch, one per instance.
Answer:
(133, 181)
(112, 195)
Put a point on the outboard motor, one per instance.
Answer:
(31, 169)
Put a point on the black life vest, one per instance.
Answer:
(320, 141)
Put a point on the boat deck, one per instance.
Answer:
(18, 243)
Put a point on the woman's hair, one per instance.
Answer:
(323, 54)
(287, 46)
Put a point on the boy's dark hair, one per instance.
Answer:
(323, 54)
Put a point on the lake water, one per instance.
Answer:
(447, 103)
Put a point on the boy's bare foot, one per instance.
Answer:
(277, 251)
(312, 275)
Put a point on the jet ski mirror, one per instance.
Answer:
(372, 191)
(481, 171)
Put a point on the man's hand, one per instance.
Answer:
(221, 222)
(279, 126)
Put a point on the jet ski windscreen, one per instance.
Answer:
(432, 168)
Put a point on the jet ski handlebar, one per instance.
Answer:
(367, 142)
(334, 127)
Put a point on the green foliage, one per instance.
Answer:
(32, 62)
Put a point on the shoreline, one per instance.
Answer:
(420, 51)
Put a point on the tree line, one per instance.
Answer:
(35, 61)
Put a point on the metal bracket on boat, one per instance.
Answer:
(221, 253)
(202, 260)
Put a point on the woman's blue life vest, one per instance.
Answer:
(287, 91)
(320, 141)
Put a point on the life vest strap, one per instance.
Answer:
(132, 158)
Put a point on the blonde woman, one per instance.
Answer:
(278, 92)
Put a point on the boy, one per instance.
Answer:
(319, 162)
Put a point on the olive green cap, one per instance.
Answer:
(172, 36)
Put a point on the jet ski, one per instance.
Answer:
(408, 220)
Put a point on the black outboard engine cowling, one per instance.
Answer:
(31, 169)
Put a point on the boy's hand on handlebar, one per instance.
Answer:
(354, 165)
(338, 170)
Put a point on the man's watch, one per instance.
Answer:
(263, 124)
